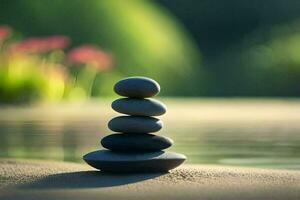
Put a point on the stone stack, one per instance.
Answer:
(133, 148)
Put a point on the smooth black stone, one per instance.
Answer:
(141, 107)
(136, 142)
(139, 87)
(135, 124)
(109, 161)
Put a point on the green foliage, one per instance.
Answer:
(254, 54)
(250, 48)
(23, 79)
(269, 61)
(143, 38)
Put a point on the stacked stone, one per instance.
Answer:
(133, 148)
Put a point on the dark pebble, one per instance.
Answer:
(141, 107)
(135, 124)
(138, 87)
(109, 161)
(135, 142)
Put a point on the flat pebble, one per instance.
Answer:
(141, 107)
(135, 124)
(135, 142)
(138, 87)
(109, 161)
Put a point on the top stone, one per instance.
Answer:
(137, 87)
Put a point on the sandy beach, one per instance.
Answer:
(32, 179)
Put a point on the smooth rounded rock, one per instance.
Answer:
(135, 124)
(135, 142)
(138, 87)
(141, 107)
(116, 162)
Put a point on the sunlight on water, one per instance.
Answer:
(228, 132)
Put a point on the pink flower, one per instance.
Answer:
(90, 55)
(5, 32)
(41, 45)
(57, 42)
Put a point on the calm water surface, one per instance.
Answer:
(209, 132)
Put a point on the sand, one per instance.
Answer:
(29, 179)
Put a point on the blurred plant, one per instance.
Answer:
(272, 64)
(92, 56)
(37, 69)
(145, 38)
(87, 62)
(24, 78)
(41, 45)
(4, 32)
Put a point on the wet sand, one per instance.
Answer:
(29, 179)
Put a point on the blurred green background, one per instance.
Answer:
(55, 49)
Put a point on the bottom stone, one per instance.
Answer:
(109, 161)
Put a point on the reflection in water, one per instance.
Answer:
(274, 145)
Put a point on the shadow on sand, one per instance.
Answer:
(87, 179)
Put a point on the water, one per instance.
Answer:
(263, 133)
